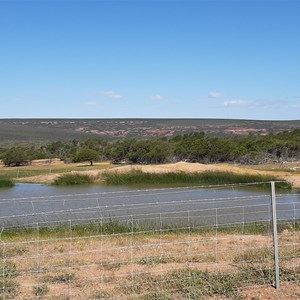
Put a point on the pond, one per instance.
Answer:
(29, 204)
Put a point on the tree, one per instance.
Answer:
(55, 148)
(15, 156)
(119, 150)
(149, 151)
(87, 155)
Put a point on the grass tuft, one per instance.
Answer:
(60, 278)
(40, 290)
(73, 179)
(6, 182)
(155, 260)
(255, 256)
(111, 227)
(9, 287)
(101, 295)
(9, 270)
(7, 276)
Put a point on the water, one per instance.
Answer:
(24, 190)
(30, 204)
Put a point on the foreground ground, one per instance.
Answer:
(287, 291)
(165, 266)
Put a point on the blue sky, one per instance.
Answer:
(150, 59)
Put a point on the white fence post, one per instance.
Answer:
(275, 237)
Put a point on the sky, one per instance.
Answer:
(237, 59)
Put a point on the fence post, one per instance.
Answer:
(275, 237)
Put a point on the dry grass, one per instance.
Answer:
(129, 265)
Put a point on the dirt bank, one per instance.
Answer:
(293, 178)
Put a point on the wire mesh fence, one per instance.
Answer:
(175, 243)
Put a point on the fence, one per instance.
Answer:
(184, 243)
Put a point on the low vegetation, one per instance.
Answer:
(40, 290)
(110, 260)
(8, 278)
(14, 131)
(74, 179)
(115, 227)
(179, 178)
(6, 182)
(193, 147)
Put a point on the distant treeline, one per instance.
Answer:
(195, 147)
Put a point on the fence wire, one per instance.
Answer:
(185, 243)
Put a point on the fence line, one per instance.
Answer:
(192, 242)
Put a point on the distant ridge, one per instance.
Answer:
(47, 130)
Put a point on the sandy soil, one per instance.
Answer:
(49, 178)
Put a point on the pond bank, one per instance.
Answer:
(184, 167)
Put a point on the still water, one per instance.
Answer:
(29, 204)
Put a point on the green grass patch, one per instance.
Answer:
(74, 179)
(32, 170)
(109, 227)
(112, 227)
(261, 228)
(6, 182)
(180, 178)
(103, 228)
